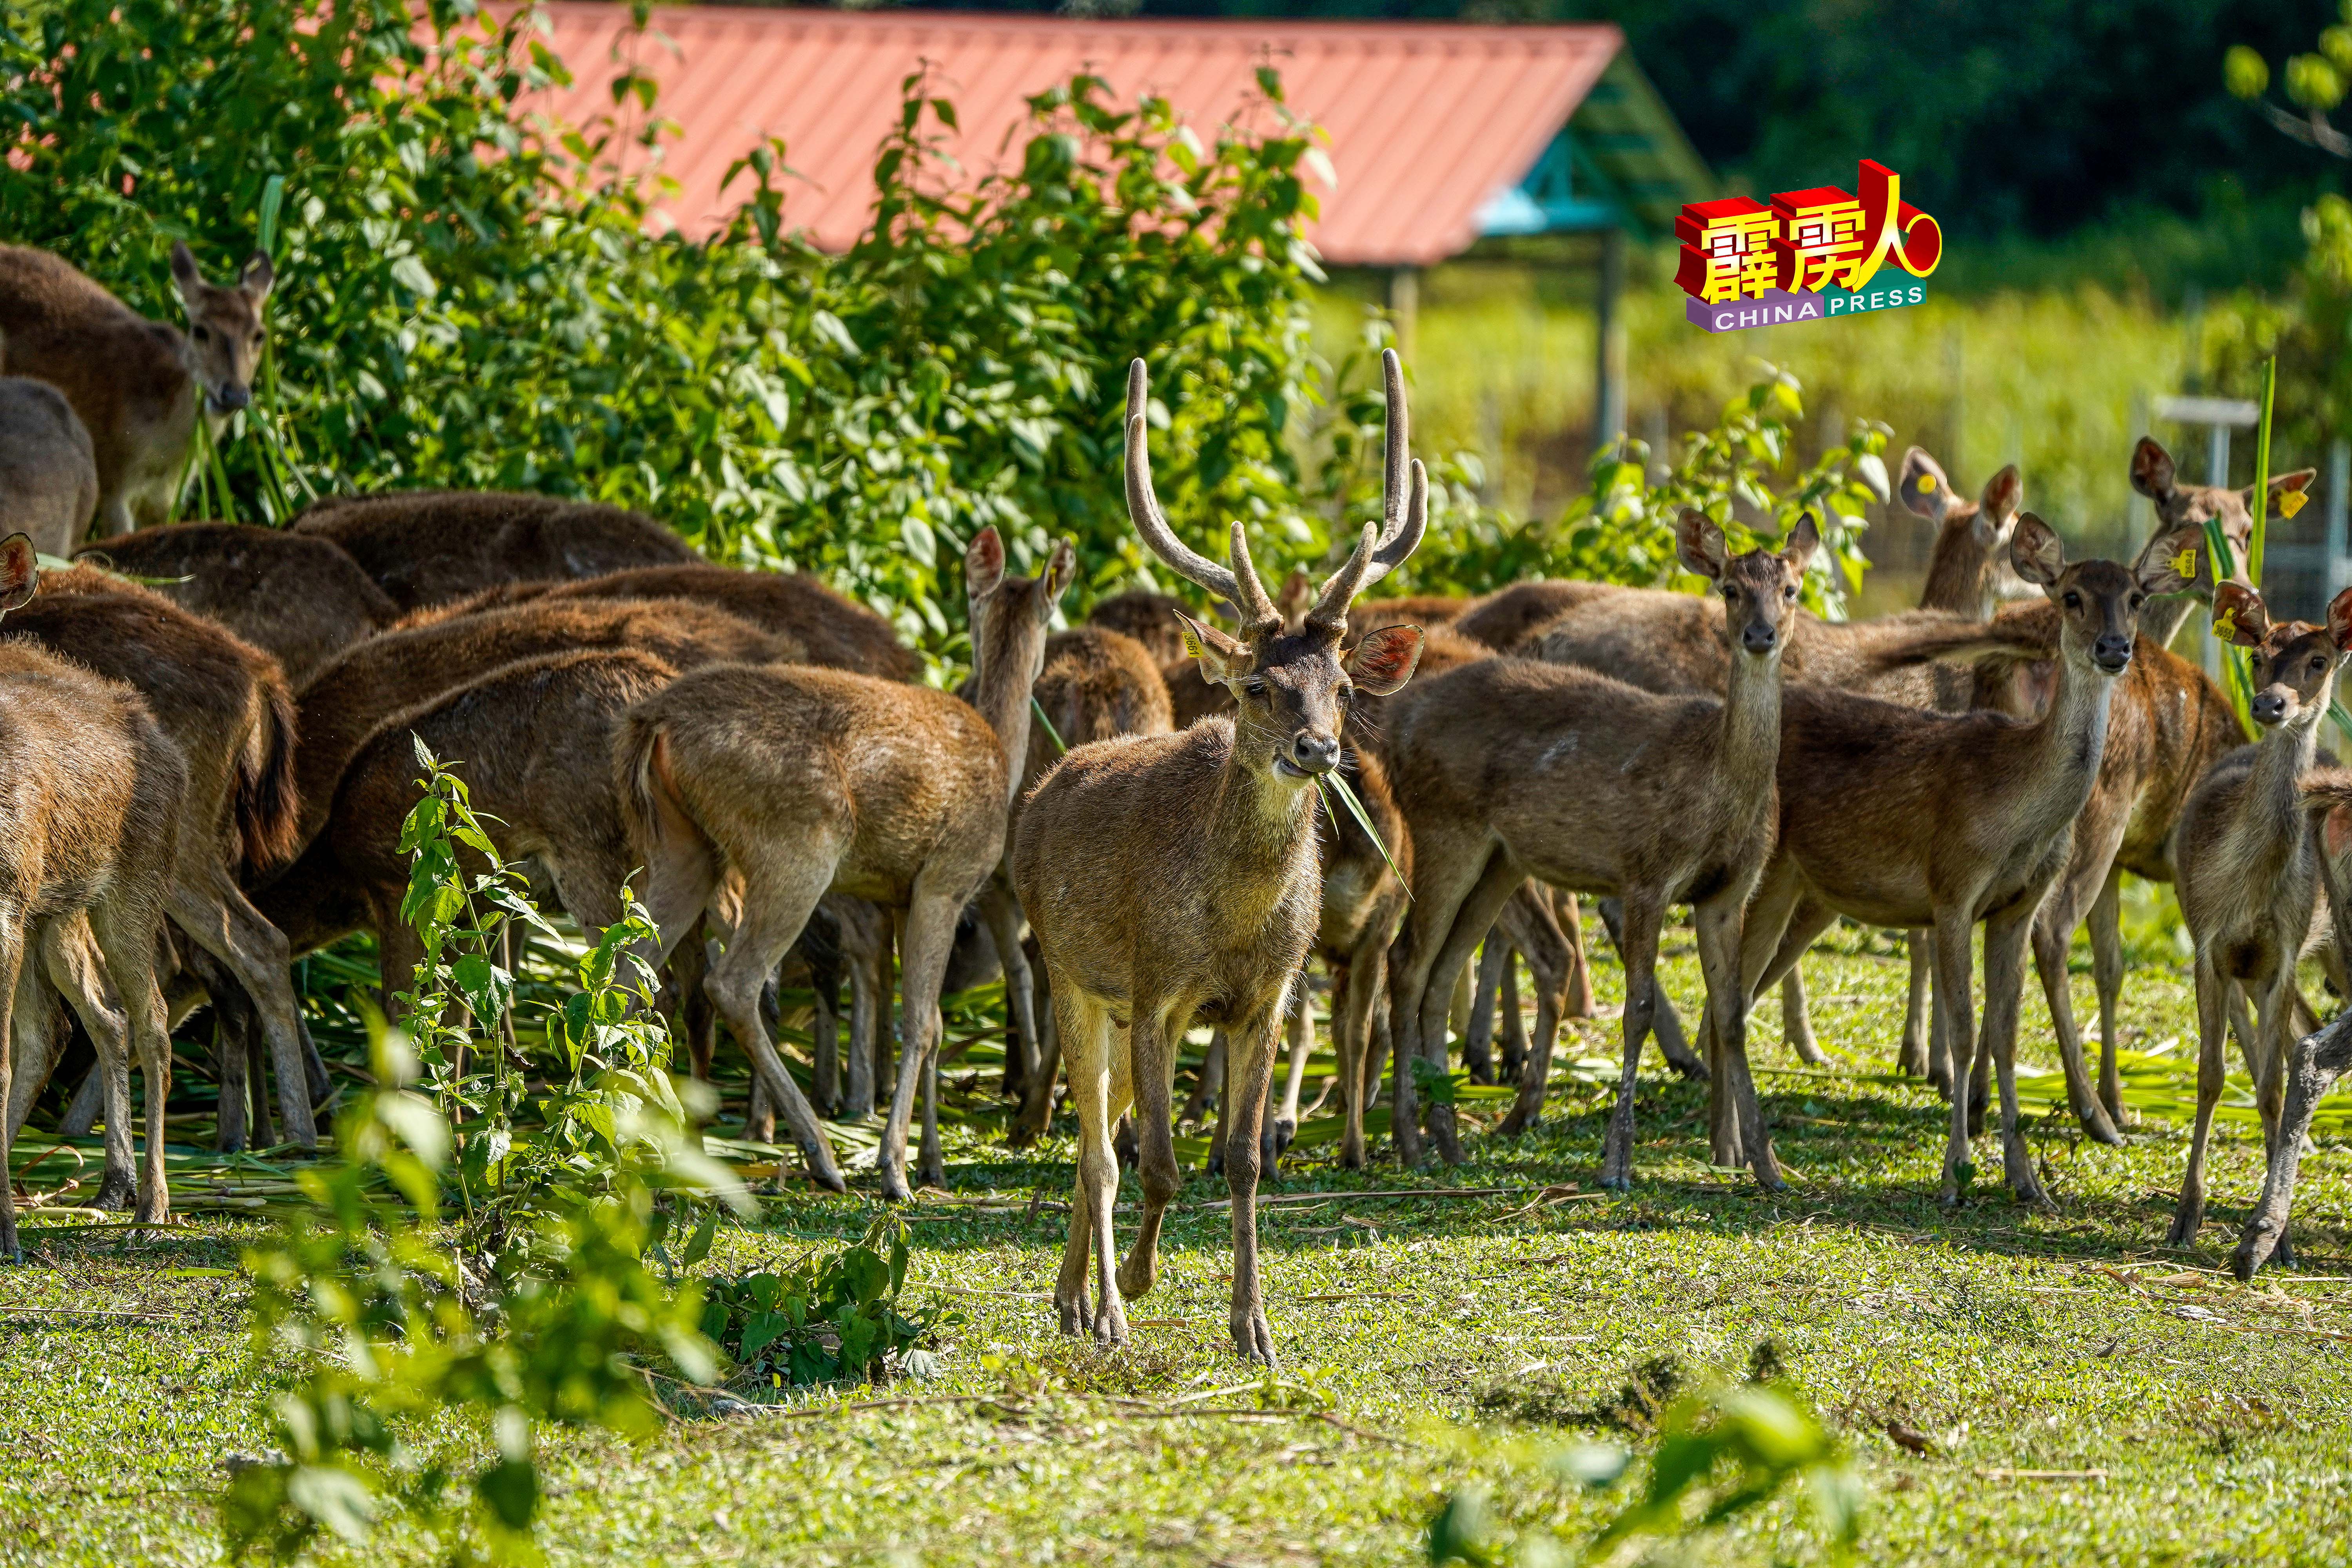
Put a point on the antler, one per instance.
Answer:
(1403, 516)
(1239, 585)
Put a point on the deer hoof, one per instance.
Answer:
(2254, 1249)
(1110, 1324)
(2186, 1224)
(114, 1194)
(1073, 1315)
(933, 1176)
(1253, 1340)
(1284, 1130)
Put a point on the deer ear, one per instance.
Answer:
(2239, 616)
(259, 278)
(1998, 509)
(1804, 539)
(1061, 569)
(2170, 561)
(20, 571)
(2035, 552)
(184, 275)
(1923, 486)
(2339, 621)
(983, 563)
(2151, 469)
(1221, 658)
(2286, 491)
(1698, 543)
(1384, 660)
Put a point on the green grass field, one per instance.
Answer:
(2089, 1396)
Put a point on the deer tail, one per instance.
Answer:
(650, 792)
(268, 802)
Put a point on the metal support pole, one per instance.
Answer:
(1609, 346)
(1404, 306)
(2217, 455)
(2340, 507)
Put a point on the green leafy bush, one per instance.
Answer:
(829, 1315)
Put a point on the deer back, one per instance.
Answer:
(302, 599)
(832, 631)
(1095, 685)
(427, 547)
(406, 668)
(1151, 619)
(48, 473)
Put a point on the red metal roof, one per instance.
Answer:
(1426, 122)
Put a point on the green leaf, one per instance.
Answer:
(697, 1246)
(510, 1488)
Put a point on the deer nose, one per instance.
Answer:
(232, 397)
(1317, 753)
(1761, 636)
(2112, 650)
(2268, 707)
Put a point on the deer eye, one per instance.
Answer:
(261, 334)
(1254, 686)
(201, 335)
(2137, 600)
(2318, 663)
(1787, 592)
(1730, 593)
(2073, 600)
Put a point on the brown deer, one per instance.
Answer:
(48, 473)
(1155, 620)
(225, 708)
(805, 782)
(2249, 867)
(1508, 769)
(427, 547)
(836, 634)
(300, 599)
(95, 792)
(2321, 1058)
(1175, 877)
(137, 384)
(2179, 506)
(356, 692)
(1948, 820)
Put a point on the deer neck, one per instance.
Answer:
(999, 694)
(2273, 804)
(2162, 619)
(1959, 577)
(1749, 753)
(2072, 737)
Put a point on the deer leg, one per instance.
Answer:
(866, 1022)
(127, 950)
(1152, 1055)
(1478, 1040)
(234, 1051)
(40, 1035)
(1955, 1001)
(1545, 947)
(1208, 1084)
(1717, 926)
(2212, 1013)
(687, 1004)
(1514, 1021)
(1084, 1027)
(2053, 937)
(1252, 1074)
(12, 952)
(1778, 929)
(771, 923)
(2276, 1031)
(2320, 1060)
(2107, 969)
(2006, 936)
(1638, 944)
(1667, 1027)
(1578, 1003)
(1301, 1025)
(1443, 882)
(1036, 1113)
(219, 918)
(930, 936)
(1476, 916)
(1000, 911)
(1357, 990)
(68, 955)
(1797, 1022)
(1911, 1060)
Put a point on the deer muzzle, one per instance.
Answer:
(2111, 652)
(230, 397)
(2271, 706)
(1309, 755)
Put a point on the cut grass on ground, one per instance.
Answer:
(2089, 1396)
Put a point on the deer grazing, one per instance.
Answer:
(94, 797)
(2321, 1058)
(48, 473)
(137, 384)
(1173, 878)
(1950, 820)
(2249, 868)
(805, 782)
(427, 547)
(299, 599)
(1508, 769)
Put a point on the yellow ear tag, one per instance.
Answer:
(2291, 501)
(2225, 626)
(1192, 649)
(1927, 484)
(2186, 563)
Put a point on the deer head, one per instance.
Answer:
(20, 571)
(1291, 689)
(224, 329)
(1758, 588)
(2098, 602)
(1928, 493)
(1010, 614)
(2182, 511)
(2295, 661)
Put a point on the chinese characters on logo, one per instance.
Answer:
(1804, 244)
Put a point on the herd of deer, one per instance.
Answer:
(207, 777)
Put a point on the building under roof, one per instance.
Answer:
(1440, 135)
